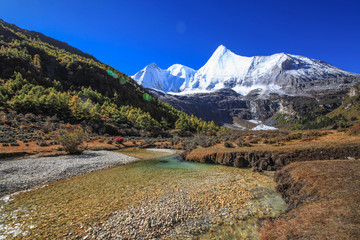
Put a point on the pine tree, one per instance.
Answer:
(164, 124)
(37, 62)
(76, 107)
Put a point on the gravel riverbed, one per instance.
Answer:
(28, 173)
(163, 198)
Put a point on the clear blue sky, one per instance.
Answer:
(130, 34)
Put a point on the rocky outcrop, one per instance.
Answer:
(354, 91)
(221, 106)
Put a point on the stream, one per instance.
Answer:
(163, 198)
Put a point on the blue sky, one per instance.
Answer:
(130, 34)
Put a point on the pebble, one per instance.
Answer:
(28, 173)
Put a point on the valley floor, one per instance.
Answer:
(153, 201)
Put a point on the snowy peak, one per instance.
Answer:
(166, 80)
(153, 65)
(280, 73)
(223, 56)
(219, 52)
(221, 70)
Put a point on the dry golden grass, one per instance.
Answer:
(333, 139)
(328, 202)
(51, 150)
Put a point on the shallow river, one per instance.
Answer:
(162, 198)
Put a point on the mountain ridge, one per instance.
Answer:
(225, 69)
(44, 38)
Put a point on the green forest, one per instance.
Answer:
(41, 75)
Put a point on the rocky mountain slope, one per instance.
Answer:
(275, 89)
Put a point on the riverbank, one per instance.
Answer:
(260, 157)
(32, 172)
(163, 198)
(319, 179)
(28, 173)
(323, 198)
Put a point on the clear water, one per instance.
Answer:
(265, 203)
(171, 162)
(230, 200)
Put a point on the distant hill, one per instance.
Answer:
(42, 75)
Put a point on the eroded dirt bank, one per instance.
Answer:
(323, 199)
(272, 159)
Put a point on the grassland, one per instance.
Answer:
(274, 153)
(324, 200)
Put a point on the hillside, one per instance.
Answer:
(41, 75)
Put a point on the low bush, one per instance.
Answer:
(147, 143)
(119, 140)
(205, 141)
(175, 140)
(15, 144)
(42, 143)
(72, 139)
(188, 144)
(355, 130)
(228, 145)
(241, 143)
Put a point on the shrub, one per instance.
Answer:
(355, 130)
(15, 144)
(42, 143)
(147, 143)
(72, 139)
(254, 140)
(48, 126)
(205, 141)
(119, 139)
(175, 140)
(241, 143)
(110, 142)
(188, 144)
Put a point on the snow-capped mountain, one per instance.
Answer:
(173, 79)
(279, 73)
